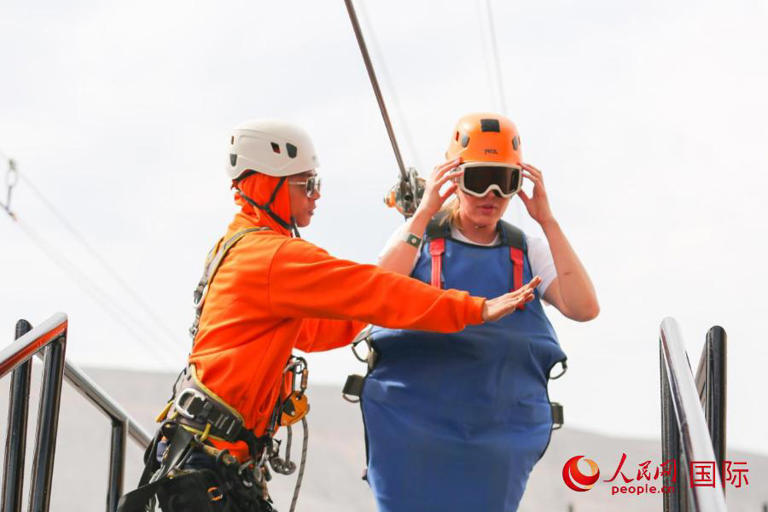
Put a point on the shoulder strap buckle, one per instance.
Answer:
(439, 226)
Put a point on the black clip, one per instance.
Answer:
(353, 387)
(558, 418)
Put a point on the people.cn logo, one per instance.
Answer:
(575, 479)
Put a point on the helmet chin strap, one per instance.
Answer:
(266, 208)
(295, 228)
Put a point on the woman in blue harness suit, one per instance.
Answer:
(456, 422)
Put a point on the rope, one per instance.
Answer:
(302, 465)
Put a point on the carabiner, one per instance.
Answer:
(564, 364)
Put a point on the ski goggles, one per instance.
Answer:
(479, 178)
(311, 185)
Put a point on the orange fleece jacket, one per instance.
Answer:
(273, 293)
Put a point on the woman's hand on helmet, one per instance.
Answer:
(433, 200)
(538, 203)
(506, 304)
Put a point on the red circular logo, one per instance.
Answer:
(575, 479)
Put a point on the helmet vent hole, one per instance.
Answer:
(232, 159)
(464, 140)
(232, 140)
(292, 150)
(456, 137)
(516, 142)
(275, 147)
(490, 125)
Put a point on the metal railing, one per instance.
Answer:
(50, 337)
(711, 384)
(122, 425)
(686, 435)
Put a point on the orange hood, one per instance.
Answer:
(259, 187)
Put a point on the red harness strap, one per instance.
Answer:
(436, 249)
(516, 255)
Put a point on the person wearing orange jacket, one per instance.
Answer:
(264, 292)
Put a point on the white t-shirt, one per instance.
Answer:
(539, 255)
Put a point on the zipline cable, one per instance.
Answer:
(83, 281)
(494, 64)
(495, 76)
(81, 278)
(387, 79)
(107, 266)
(376, 88)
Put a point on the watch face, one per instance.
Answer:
(412, 239)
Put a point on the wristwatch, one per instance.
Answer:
(412, 239)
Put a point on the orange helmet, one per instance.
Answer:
(485, 137)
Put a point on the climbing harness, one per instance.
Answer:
(195, 415)
(436, 405)
(353, 387)
(292, 405)
(190, 420)
(212, 263)
(288, 411)
(439, 229)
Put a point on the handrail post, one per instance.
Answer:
(16, 438)
(48, 340)
(47, 425)
(692, 431)
(716, 390)
(670, 442)
(116, 464)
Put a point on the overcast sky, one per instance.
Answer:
(648, 119)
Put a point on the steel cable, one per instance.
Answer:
(492, 63)
(146, 308)
(101, 297)
(387, 79)
(84, 282)
(375, 84)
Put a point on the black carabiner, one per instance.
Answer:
(564, 364)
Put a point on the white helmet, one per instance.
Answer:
(275, 148)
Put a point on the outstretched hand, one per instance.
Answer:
(506, 304)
